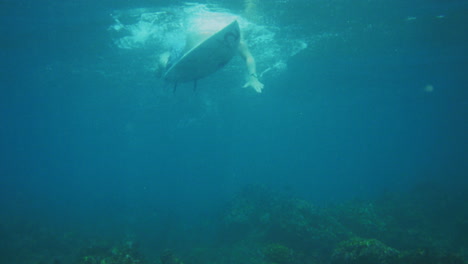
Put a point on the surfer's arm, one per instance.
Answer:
(252, 80)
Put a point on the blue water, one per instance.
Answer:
(92, 141)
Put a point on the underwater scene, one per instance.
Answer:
(234, 132)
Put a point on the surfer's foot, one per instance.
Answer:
(254, 83)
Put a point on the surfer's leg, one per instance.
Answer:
(250, 9)
(162, 63)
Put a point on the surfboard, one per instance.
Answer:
(207, 57)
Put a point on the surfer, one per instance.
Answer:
(252, 80)
(201, 30)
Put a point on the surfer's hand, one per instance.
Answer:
(255, 84)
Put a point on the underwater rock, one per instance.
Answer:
(167, 257)
(406, 222)
(364, 251)
(429, 256)
(265, 215)
(122, 254)
(279, 254)
(365, 219)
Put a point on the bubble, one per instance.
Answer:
(429, 88)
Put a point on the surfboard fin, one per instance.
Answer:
(175, 87)
(195, 85)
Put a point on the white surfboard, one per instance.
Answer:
(207, 57)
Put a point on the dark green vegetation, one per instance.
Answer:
(122, 254)
(261, 226)
(427, 225)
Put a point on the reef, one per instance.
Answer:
(396, 228)
(263, 226)
(279, 254)
(125, 253)
(364, 251)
